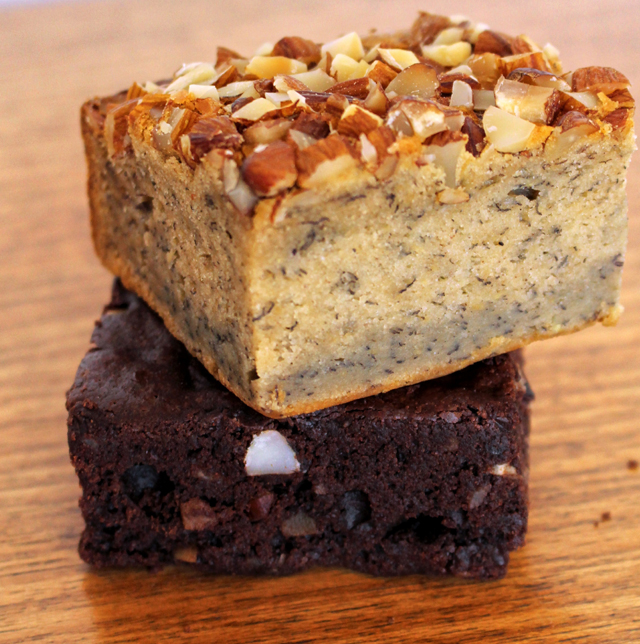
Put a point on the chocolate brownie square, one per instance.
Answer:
(429, 479)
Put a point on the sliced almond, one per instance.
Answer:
(449, 36)
(382, 73)
(201, 74)
(398, 59)
(270, 170)
(424, 117)
(486, 68)
(530, 102)
(539, 78)
(618, 118)
(475, 136)
(449, 78)
(448, 55)
(376, 100)
(599, 79)
(286, 83)
(357, 88)
(324, 161)
(316, 80)
(116, 126)
(356, 121)
(461, 95)
(314, 125)
(427, 27)
(419, 80)
(344, 67)
(210, 133)
(580, 101)
(255, 110)
(505, 131)
(299, 48)
(494, 42)
(204, 91)
(553, 58)
(574, 127)
(270, 66)
(224, 56)
(483, 99)
(235, 89)
(445, 150)
(264, 132)
(534, 60)
(348, 45)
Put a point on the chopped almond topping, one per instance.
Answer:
(343, 103)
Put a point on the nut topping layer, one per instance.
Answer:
(298, 114)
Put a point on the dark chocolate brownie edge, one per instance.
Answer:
(431, 479)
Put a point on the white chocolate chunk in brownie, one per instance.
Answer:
(328, 222)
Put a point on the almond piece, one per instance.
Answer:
(356, 121)
(271, 169)
(210, 133)
(495, 43)
(299, 48)
(574, 126)
(382, 73)
(424, 117)
(505, 131)
(475, 136)
(198, 515)
(599, 79)
(419, 80)
(444, 150)
(325, 161)
(264, 132)
(377, 101)
(357, 87)
(530, 102)
(254, 110)
(349, 45)
(225, 56)
(535, 60)
(116, 126)
(450, 196)
(448, 55)
(538, 77)
(270, 66)
(314, 125)
(427, 27)
(316, 80)
(461, 95)
(486, 68)
(618, 118)
(449, 78)
(398, 59)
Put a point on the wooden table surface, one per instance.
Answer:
(578, 577)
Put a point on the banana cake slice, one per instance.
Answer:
(319, 223)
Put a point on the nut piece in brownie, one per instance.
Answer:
(322, 223)
(428, 479)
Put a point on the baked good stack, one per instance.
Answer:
(350, 238)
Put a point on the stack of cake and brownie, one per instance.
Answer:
(325, 254)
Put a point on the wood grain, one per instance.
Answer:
(572, 582)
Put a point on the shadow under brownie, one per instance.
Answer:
(428, 479)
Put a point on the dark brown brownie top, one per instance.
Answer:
(137, 369)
